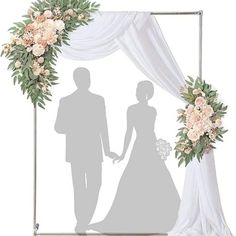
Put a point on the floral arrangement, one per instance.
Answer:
(202, 120)
(36, 42)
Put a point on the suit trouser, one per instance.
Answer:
(86, 182)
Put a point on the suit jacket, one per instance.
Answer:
(82, 117)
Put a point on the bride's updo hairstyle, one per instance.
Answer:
(145, 90)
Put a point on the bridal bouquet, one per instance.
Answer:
(35, 43)
(201, 119)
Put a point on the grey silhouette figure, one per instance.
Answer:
(82, 118)
(146, 200)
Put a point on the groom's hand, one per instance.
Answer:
(118, 159)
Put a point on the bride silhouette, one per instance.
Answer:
(146, 200)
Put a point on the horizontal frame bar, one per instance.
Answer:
(178, 13)
(100, 234)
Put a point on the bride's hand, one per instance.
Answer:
(118, 159)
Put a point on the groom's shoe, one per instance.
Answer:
(81, 230)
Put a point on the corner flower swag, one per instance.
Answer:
(36, 41)
(202, 119)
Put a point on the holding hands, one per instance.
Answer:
(115, 157)
(118, 158)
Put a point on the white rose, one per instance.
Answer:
(41, 60)
(17, 64)
(59, 25)
(185, 131)
(67, 18)
(81, 16)
(47, 72)
(38, 50)
(44, 89)
(37, 71)
(48, 14)
(29, 49)
(70, 12)
(218, 123)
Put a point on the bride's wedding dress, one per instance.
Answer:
(146, 200)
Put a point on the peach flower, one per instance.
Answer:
(208, 111)
(195, 117)
(189, 109)
(50, 37)
(40, 18)
(193, 135)
(29, 28)
(200, 102)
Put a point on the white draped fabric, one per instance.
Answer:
(139, 36)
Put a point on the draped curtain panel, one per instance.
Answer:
(139, 36)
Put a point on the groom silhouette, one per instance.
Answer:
(82, 118)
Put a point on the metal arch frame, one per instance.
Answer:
(35, 224)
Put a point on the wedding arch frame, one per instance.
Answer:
(35, 224)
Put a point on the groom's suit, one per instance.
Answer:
(82, 117)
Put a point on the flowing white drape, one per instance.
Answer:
(139, 36)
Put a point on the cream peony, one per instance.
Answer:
(193, 135)
(59, 25)
(50, 37)
(200, 102)
(37, 38)
(48, 14)
(37, 71)
(49, 25)
(38, 50)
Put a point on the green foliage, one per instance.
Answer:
(37, 86)
(186, 150)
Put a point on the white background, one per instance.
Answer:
(114, 77)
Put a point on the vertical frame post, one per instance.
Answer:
(200, 43)
(35, 225)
